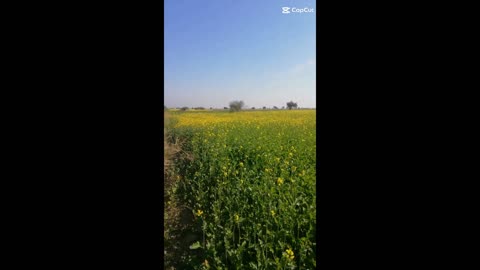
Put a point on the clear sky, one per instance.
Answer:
(217, 51)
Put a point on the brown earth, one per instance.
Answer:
(178, 220)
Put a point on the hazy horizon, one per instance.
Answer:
(220, 51)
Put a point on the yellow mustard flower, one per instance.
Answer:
(280, 181)
(289, 254)
(237, 218)
(199, 212)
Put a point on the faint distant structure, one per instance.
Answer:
(275, 107)
(264, 107)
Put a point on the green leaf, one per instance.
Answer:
(195, 245)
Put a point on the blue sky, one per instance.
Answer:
(217, 51)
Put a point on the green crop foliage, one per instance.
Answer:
(250, 180)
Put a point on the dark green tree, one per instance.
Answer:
(291, 105)
(236, 106)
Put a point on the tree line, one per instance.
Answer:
(238, 105)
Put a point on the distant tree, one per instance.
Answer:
(184, 108)
(291, 105)
(283, 107)
(199, 108)
(211, 108)
(225, 108)
(236, 106)
(253, 108)
(275, 107)
(264, 107)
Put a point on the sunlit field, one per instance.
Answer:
(248, 177)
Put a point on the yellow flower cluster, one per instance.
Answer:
(279, 181)
(289, 254)
(259, 118)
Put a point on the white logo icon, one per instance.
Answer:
(285, 10)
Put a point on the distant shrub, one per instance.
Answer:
(184, 108)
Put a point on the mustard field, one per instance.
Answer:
(249, 178)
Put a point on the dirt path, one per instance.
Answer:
(179, 231)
